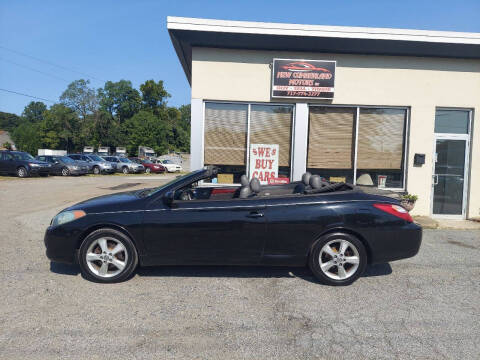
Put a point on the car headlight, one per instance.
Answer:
(34, 165)
(67, 216)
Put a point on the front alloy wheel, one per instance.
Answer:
(148, 170)
(65, 172)
(125, 170)
(96, 170)
(22, 172)
(107, 255)
(338, 259)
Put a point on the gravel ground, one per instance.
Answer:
(427, 307)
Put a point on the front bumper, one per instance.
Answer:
(61, 243)
(78, 171)
(39, 170)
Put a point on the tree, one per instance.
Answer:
(9, 121)
(145, 129)
(60, 128)
(27, 137)
(120, 99)
(153, 95)
(33, 112)
(80, 98)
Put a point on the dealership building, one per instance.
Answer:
(387, 108)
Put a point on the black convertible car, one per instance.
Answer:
(334, 228)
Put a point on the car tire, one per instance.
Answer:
(97, 259)
(22, 172)
(125, 170)
(96, 170)
(338, 259)
(148, 170)
(65, 171)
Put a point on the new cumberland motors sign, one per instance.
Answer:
(303, 78)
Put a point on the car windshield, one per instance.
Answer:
(167, 162)
(67, 160)
(146, 161)
(23, 156)
(125, 160)
(149, 192)
(95, 158)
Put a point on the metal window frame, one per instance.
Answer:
(406, 136)
(249, 107)
(466, 171)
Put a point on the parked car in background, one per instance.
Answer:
(125, 165)
(63, 165)
(22, 164)
(96, 164)
(82, 161)
(150, 167)
(169, 165)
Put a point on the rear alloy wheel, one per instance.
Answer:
(107, 256)
(65, 171)
(125, 170)
(148, 170)
(22, 172)
(96, 170)
(338, 259)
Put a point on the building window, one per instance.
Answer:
(368, 151)
(272, 124)
(230, 127)
(226, 139)
(331, 142)
(381, 145)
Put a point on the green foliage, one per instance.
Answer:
(120, 99)
(153, 95)
(115, 115)
(146, 129)
(8, 121)
(80, 98)
(410, 197)
(34, 112)
(26, 137)
(7, 146)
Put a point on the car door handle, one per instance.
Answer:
(255, 214)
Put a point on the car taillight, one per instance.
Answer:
(395, 210)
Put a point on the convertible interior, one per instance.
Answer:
(310, 184)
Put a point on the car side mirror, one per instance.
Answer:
(168, 198)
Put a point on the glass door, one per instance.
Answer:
(449, 176)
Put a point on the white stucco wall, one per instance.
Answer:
(419, 83)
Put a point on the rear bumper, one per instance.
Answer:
(395, 244)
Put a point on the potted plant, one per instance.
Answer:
(408, 201)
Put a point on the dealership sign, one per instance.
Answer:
(303, 78)
(263, 162)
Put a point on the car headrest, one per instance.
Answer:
(244, 180)
(306, 178)
(316, 182)
(255, 185)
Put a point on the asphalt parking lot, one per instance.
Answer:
(427, 307)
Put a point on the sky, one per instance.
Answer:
(45, 45)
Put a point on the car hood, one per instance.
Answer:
(107, 203)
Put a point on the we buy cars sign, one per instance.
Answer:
(264, 162)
